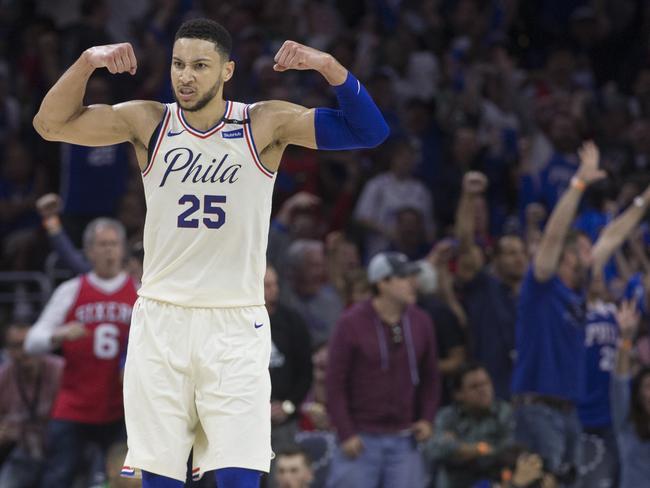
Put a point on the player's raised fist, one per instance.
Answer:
(117, 58)
(293, 55)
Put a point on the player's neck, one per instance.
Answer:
(208, 116)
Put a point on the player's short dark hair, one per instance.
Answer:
(207, 30)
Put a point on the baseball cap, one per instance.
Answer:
(387, 264)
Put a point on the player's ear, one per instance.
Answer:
(228, 69)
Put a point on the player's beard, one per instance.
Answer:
(203, 101)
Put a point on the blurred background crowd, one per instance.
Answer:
(488, 102)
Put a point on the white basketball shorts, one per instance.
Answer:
(197, 377)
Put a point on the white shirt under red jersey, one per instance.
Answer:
(91, 386)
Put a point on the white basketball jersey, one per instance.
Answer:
(208, 210)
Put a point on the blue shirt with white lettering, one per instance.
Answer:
(549, 340)
(600, 343)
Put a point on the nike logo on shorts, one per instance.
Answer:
(257, 326)
(172, 134)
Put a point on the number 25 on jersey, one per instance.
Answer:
(217, 215)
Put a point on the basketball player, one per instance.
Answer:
(197, 365)
(88, 317)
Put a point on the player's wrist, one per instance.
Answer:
(86, 62)
(334, 72)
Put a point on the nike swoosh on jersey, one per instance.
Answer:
(172, 134)
(257, 326)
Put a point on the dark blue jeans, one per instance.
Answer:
(67, 443)
(551, 433)
(387, 461)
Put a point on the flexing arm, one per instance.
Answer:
(357, 123)
(550, 248)
(63, 117)
(617, 231)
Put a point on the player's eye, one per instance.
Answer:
(201, 65)
(178, 64)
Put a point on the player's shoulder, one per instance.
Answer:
(141, 110)
(142, 116)
(273, 110)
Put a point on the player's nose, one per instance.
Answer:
(186, 75)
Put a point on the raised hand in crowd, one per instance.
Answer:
(49, 207)
(547, 259)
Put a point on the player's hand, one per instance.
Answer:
(293, 55)
(117, 58)
(422, 430)
(49, 205)
(352, 447)
(628, 318)
(474, 183)
(589, 158)
(69, 332)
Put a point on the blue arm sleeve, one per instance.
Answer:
(71, 256)
(357, 124)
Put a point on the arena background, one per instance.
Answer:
(507, 88)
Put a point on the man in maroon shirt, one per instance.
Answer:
(382, 382)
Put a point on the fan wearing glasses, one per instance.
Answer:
(382, 381)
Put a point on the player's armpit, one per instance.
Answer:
(103, 125)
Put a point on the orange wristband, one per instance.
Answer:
(482, 447)
(578, 184)
(626, 344)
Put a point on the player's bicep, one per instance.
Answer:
(100, 125)
(95, 125)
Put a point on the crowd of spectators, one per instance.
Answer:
(529, 253)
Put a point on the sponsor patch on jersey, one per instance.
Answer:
(233, 134)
